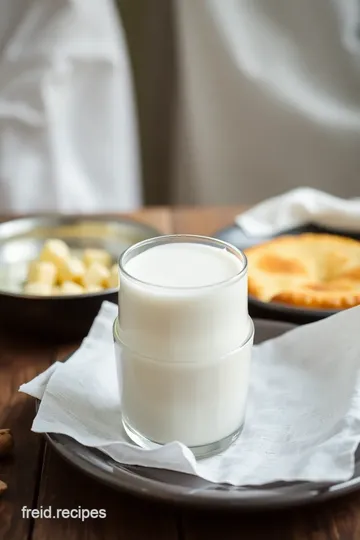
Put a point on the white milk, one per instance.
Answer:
(183, 313)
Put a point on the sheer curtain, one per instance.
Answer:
(269, 99)
(68, 130)
(243, 99)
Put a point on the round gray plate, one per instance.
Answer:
(180, 488)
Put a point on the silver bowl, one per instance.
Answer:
(64, 318)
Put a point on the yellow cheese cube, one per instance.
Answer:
(42, 272)
(55, 251)
(38, 289)
(71, 270)
(96, 274)
(68, 287)
(56, 291)
(97, 255)
(113, 281)
(94, 288)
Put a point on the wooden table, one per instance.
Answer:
(38, 477)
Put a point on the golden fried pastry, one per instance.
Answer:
(309, 270)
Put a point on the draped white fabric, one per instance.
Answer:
(68, 138)
(269, 98)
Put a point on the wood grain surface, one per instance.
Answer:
(21, 472)
(39, 479)
(205, 221)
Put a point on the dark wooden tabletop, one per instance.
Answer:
(38, 478)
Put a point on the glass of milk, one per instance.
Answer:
(183, 342)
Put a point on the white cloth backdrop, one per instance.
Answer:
(68, 138)
(269, 98)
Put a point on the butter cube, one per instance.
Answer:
(68, 287)
(38, 289)
(71, 269)
(97, 255)
(96, 275)
(55, 251)
(113, 281)
(94, 288)
(42, 272)
(56, 291)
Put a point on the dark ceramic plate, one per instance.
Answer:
(272, 310)
(167, 486)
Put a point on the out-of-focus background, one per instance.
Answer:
(111, 104)
(239, 100)
(150, 31)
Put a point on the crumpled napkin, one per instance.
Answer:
(298, 207)
(303, 416)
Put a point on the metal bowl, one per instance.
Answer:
(63, 318)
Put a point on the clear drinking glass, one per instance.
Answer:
(183, 355)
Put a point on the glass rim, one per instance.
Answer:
(249, 338)
(163, 239)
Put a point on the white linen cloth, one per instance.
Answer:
(298, 207)
(303, 418)
(268, 99)
(68, 140)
